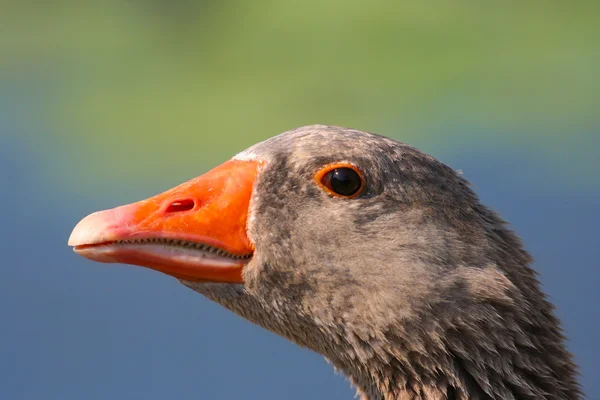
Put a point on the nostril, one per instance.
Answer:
(180, 205)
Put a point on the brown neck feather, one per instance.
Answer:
(491, 335)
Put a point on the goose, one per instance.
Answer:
(363, 249)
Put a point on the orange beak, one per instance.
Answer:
(195, 231)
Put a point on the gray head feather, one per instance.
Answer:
(413, 290)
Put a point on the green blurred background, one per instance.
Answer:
(103, 103)
(165, 88)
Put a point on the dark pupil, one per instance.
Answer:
(345, 181)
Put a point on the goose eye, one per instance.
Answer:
(342, 180)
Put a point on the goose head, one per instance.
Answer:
(360, 248)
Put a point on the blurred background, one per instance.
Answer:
(103, 104)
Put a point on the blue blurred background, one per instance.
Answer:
(105, 104)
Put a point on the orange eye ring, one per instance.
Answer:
(341, 176)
